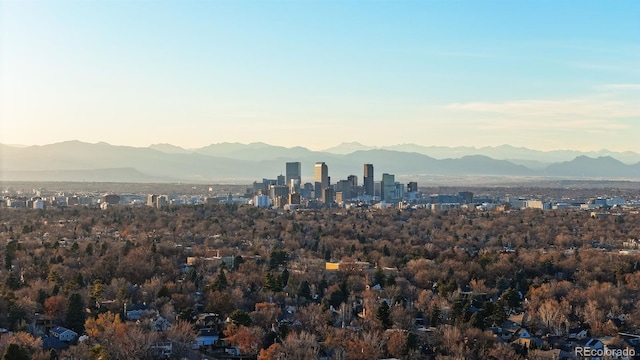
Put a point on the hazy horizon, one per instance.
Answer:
(544, 75)
(319, 149)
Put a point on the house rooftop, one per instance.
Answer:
(137, 307)
(60, 330)
(53, 343)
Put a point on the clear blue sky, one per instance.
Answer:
(541, 74)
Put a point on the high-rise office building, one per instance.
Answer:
(327, 195)
(321, 178)
(353, 180)
(293, 172)
(344, 187)
(278, 191)
(388, 187)
(306, 190)
(398, 192)
(294, 186)
(368, 180)
(412, 186)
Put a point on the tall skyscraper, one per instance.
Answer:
(321, 178)
(388, 187)
(293, 172)
(368, 180)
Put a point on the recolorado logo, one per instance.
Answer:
(586, 351)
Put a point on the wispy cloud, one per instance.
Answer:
(600, 126)
(584, 108)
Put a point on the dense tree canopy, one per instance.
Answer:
(460, 271)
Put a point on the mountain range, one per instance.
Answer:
(518, 155)
(228, 162)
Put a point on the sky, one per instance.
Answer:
(541, 74)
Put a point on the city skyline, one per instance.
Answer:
(542, 75)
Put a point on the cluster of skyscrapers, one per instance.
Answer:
(289, 189)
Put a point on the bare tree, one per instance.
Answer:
(181, 334)
(300, 345)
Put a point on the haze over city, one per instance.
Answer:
(545, 75)
(266, 180)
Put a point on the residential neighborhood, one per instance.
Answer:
(229, 281)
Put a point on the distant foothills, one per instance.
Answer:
(80, 161)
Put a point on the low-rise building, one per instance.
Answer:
(63, 334)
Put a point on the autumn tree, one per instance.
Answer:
(248, 339)
(55, 307)
(398, 344)
(120, 340)
(273, 352)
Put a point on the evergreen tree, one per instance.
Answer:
(304, 290)
(42, 296)
(272, 283)
(268, 281)
(79, 279)
(322, 286)
(390, 281)
(277, 258)
(283, 331)
(284, 279)
(75, 313)
(240, 317)
(412, 341)
(10, 254)
(336, 298)
(237, 261)
(15, 316)
(511, 297)
(379, 277)
(15, 352)
(164, 292)
(12, 282)
(384, 315)
(477, 320)
(89, 249)
(435, 316)
(220, 283)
